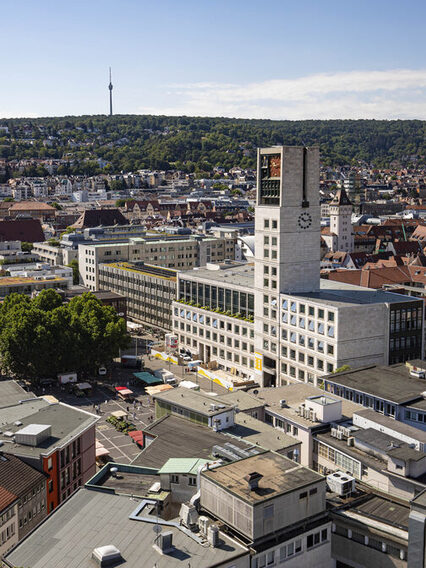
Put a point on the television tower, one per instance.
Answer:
(110, 93)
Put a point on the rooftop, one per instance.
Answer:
(393, 383)
(242, 400)
(194, 401)
(65, 421)
(395, 425)
(12, 393)
(293, 395)
(332, 293)
(188, 466)
(63, 541)
(146, 269)
(176, 437)
(16, 476)
(259, 433)
(279, 475)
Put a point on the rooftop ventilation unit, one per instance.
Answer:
(341, 483)
(417, 373)
(33, 434)
(213, 535)
(106, 555)
(253, 479)
(188, 516)
(164, 542)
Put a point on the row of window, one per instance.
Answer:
(304, 359)
(7, 515)
(192, 481)
(214, 322)
(7, 533)
(291, 549)
(225, 299)
(312, 311)
(360, 398)
(370, 542)
(342, 461)
(30, 495)
(310, 324)
(36, 510)
(227, 356)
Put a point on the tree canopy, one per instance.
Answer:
(92, 144)
(42, 337)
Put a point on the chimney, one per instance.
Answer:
(253, 479)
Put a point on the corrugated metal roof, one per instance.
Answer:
(182, 465)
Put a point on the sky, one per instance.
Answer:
(311, 59)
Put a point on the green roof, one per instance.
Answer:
(183, 465)
(147, 378)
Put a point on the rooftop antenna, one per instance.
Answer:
(110, 93)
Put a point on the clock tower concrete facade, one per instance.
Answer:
(287, 239)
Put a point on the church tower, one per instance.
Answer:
(340, 222)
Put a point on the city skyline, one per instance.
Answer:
(236, 59)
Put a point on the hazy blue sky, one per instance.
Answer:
(246, 58)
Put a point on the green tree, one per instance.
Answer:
(26, 247)
(42, 337)
(75, 271)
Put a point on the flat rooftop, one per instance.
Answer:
(62, 540)
(146, 269)
(279, 475)
(383, 510)
(340, 294)
(331, 293)
(293, 395)
(65, 421)
(193, 400)
(259, 433)
(393, 383)
(395, 425)
(234, 273)
(176, 437)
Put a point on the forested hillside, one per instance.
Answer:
(131, 142)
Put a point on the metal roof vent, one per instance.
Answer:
(106, 555)
(253, 479)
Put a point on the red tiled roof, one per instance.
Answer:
(6, 498)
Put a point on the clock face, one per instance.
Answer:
(275, 166)
(305, 220)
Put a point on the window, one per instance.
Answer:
(174, 478)
(266, 240)
(274, 224)
(303, 495)
(192, 481)
(266, 223)
(330, 330)
(330, 349)
(274, 241)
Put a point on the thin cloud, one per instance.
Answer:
(357, 94)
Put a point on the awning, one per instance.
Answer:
(119, 414)
(147, 378)
(125, 392)
(101, 450)
(157, 389)
(120, 388)
(137, 436)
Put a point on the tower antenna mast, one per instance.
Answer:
(110, 93)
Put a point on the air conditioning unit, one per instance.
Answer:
(282, 403)
(339, 435)
(333, 432)
(351, 441)
(341, 483)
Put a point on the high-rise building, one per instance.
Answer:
(278, 320)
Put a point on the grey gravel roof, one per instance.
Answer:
(64, 541)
